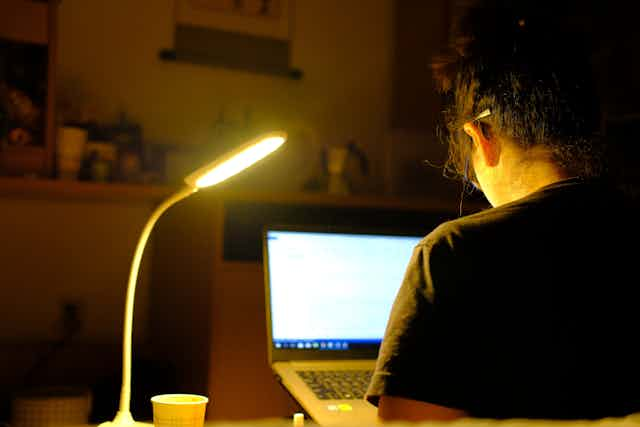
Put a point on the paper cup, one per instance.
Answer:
(70, 149)
(179, 410)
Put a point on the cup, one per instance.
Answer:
(70, 147)
(179, 410)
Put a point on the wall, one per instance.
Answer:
(343, 48)
(58, 251)
(51, 257)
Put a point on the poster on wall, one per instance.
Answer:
(261, 18)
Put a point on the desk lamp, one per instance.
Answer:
(208, 175)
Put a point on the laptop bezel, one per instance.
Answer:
(367, 352)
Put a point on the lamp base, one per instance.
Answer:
(133, 424)
(124, 419)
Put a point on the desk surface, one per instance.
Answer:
(630, 421)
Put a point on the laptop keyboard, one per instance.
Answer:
(341, 384)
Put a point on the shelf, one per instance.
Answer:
(48, 189)
(171, 55)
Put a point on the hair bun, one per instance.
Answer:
(533, 28)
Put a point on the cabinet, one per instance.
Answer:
(27, 87)
(420, 31)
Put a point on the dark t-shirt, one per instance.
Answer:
(528, 310)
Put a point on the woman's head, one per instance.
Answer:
(524, 62)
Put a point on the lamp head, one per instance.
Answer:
(236, 161)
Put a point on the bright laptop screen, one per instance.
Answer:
(333, 290)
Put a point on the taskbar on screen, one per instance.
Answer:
(328, 345)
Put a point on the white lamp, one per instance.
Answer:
(208, 175)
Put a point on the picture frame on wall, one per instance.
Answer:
(242, 35)
(261, 18)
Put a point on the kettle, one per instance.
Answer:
(342, 164)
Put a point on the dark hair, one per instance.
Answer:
(526, 62)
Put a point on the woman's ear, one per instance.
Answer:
(487, 146)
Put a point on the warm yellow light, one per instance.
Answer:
(236, 161)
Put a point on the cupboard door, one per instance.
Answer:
(421, 29)
(27, 37)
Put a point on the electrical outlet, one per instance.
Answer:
(71, 318)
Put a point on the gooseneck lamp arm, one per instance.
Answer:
(124, 412)
(208, 175)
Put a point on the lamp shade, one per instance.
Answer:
(236, 160)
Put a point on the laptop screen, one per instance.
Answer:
(330, 291)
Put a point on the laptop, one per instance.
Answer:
(328, 297)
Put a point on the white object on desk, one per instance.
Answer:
(179, 410)
(298, 420)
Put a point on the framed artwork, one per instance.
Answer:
(261, 18)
